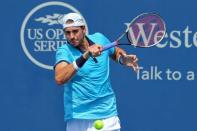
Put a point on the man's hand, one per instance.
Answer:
(131, 61)
(95, 50)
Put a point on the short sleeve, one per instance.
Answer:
(111, 50)
(62, 54)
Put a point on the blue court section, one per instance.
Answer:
(161, 97)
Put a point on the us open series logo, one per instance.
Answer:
(41, 32)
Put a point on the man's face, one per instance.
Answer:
(75, 35)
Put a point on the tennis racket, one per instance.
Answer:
(145, 30)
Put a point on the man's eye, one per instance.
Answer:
(67, 32)
(75, 31)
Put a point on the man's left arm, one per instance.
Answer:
(121, 57)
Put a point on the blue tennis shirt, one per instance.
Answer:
(88, 94)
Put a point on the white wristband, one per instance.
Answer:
(75, 65)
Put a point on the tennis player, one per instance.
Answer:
(88, 94)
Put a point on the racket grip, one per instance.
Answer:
(94, 58)
(110, 45)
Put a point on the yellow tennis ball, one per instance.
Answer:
(98, 124)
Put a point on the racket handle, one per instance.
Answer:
(110, 45)
(94, 58)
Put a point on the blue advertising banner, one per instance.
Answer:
(160, 97)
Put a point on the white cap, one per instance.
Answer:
(75, 17)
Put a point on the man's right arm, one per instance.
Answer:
(63, 72)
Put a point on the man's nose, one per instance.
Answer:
(72, 35)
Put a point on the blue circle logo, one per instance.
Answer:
(41, 32)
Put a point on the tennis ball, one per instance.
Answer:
(98, 124)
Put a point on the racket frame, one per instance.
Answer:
(116, 42)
